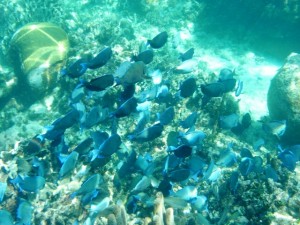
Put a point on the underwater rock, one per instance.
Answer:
(40, 49)
(284, 98)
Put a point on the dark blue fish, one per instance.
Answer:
(179, 175)
(89, 197)
(196, 164)
(66, 121)
(165, 187)
(131, 205)
(148, 134)
(110, 146)
(246, 166)
(258, 164)
(295, 149)
(128, 165)
(187, 87)
(6, 218)
(126, 108)
(99, 137)
(69, 164)
(228, 85)
(288, 159)
(95, 116)
(189, 121)
(99, 83)
(24, 212)
(88, 185)
(127, 93)
(83, 147)
(243, 125)
(245, 152)
(145, 56)
(181, 151)
(187, 55)
(101, 59)
(167, 116)
(29, 183)
(172, 161)
(75, 70)
(213, 89)
(234, 182)
(159, 40)
(271, 173)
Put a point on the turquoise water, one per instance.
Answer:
(223, 35)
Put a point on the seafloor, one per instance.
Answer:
(123, 25)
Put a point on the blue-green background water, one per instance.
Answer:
(252, 38)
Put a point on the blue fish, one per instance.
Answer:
(159, 40)
(100, 83)
(110, 146)
(181, 151)
(234, 182)
(88, 185)
(145, 56)
(101, 59)
(226, 74)
(187, 55)
(75, 70)
(246, 166)
(179, 175)
(288, 159)
(192, 138)
(126, 108)
(24, 212)
(83, 147)
(6, 218)
(95, 116)
(187, 87)
(69, 164)
(148, 134)
(189, 121)
(88, 197)
(167, 116)
(29, 183)
(271, 173)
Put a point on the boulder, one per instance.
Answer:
(284, 98)
(38, 51)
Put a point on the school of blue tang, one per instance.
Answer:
(181, 167)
